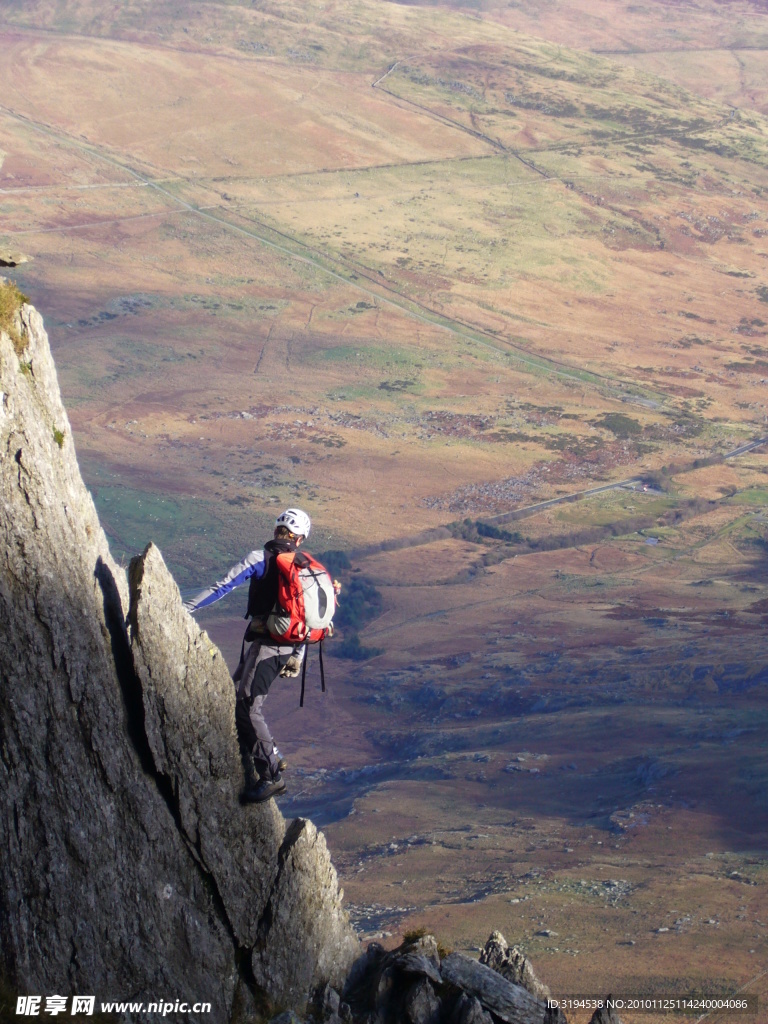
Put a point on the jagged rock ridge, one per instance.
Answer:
(127, 866)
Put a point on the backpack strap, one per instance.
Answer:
(322, 671)
(304, 671)
(303, 677)
(302, 559)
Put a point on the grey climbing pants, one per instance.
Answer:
(258, 669)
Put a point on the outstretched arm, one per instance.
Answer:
(252, 565)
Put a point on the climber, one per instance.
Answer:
(262, 658)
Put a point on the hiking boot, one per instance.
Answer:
(264, 789)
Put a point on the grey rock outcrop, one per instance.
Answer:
(128, 869)
(512, 964)
(11, 258)
(305, 903)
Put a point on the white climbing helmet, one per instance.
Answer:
(295, 520)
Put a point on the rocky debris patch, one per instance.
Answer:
(615, 890)
(521, 763)
(324, 776)
(496, 496)
(440, 423)
(283, 422)
(487, 498)
(611, 892)
(737, 876)
(376, 920)
(625, 819)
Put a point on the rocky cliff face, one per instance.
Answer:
(128, 869)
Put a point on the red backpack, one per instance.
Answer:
(306, 600)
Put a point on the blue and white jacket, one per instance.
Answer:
(254, 564)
